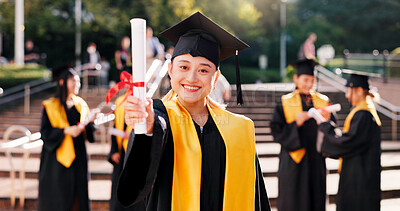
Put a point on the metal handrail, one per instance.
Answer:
(26, 143)
(340, 82)
(25, 91)
(158, 78)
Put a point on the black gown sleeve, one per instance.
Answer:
(350, 143)
(52, 137)
(285, 134)
(113, 149)
(261, 198)
(142, 160)
(89, 132)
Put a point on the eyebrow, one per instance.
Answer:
(203, 64)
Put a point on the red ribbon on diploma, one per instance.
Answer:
(125, 80)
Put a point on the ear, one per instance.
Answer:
(295, 78)
(218, 73)
(170, 69)
(61, 82)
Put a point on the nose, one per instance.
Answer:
(192, 76)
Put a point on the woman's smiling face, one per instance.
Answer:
(192, 78)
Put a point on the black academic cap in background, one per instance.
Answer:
(59, 72)
(358, 78)
(200, 36)
(304, 66)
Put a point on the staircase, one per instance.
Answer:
(259, 107)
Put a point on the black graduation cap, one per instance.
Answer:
(304, 66)
(358, 78)
(58, 73)
(200, 36)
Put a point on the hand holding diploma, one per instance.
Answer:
(321, 115)
(134, 113)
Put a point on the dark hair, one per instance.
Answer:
(62, 92)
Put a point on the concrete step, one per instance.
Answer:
(99, 193)
(100, 190)
(100, 168)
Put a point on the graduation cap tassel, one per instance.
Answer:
(239, 98)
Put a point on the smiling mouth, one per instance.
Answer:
(191, 88)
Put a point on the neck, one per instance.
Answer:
(359, 101)
(198, 110)
(69, 97)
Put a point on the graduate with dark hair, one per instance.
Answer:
(196, 155)
(302, 170)
(359, 148)
(117, 155)
(63, 174)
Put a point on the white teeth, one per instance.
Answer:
(191, 87)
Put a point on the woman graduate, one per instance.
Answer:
(302, 170)
(117, 155)
(197, 156)
(358, 147)
(63, 174)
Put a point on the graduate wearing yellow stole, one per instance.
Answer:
(196, 156)
(117, 155)
(302, 170)
(358, 147)
(63, 181)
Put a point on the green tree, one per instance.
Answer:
(368, 24)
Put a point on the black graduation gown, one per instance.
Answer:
(302, 187)
(148, 168)
(58, 185)
(360, 176)
(114, 203)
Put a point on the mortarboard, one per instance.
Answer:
(304, 66)
(200, 36)
(358, 78)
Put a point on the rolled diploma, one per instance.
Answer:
(314, 113)
(333, 108)
(138, 27)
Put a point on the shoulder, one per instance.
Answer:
(233, 117)
(287, 96)
(322, 96)
(363, 117)
(50, 101)
(80, 100)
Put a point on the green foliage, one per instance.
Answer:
(249, 75)
(11, 75)
(368, 24)
(359, 26)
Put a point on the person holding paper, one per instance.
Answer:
(359, 148)
(63, 173)
(302, 170)
(195, 155)
(117, 155)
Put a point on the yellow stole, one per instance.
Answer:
(120, 124)
(366, 105)
(58, 119)
(291, 104)
(238, 134)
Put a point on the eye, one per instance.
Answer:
(204, 71)
(183, 67)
